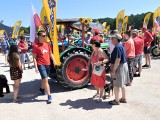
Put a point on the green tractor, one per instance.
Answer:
(73, 59)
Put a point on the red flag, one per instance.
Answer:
(37, 20)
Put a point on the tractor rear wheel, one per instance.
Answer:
(70, 73)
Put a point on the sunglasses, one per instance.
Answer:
(43, 36)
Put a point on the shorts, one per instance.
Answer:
(24, 57)
(147, 50)
(44, 71)
(122, 76)
(138, 60)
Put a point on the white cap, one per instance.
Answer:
(89, 33)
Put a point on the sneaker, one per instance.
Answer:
(138, 75)
(149, 66)
(42, 91)
(145, 65)
(123, 100)
(135, 75)
(49, 99)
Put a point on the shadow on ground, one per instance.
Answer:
(29, 91)
(86, 104)
(155, 58)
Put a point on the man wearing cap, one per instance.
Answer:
(119, 70)
(110, 45)
(147, 45)
(139, 45)
(96, 37)
(87, 39)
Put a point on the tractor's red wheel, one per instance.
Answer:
(74, 70)
(70, 74)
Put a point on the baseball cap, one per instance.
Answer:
(135, 31)
(89, 33)
(96, 32)
(118, 36)
(144, 28)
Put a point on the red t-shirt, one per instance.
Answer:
(23, 45)
(141, 37)
(139, 44)
(147, 39)
(42, 50)
(130, 48)
(97, 38)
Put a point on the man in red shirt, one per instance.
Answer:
(96, 38)
(147, 46)
(42, 54)
(23, 47)
(139, 45)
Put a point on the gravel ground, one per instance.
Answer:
(143, 100)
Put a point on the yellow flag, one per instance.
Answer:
(16, 29)
(21, 32)
(50, 9)
(146, 19)
(2, 31)
(119, 21)
(58, 27)
(125, 24)
(156, 17)
(108, 28)
(44, 20)
(43, 16)
(104, 24)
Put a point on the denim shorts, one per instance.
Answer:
(138, 60)
(44, 71)
(24, 57)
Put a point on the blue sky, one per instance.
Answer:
(14, 10)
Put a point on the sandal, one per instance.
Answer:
(128, 84)
(95, 96)
(99, 100)
(123, 100)
(113, 102)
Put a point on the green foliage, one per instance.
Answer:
(136, 21)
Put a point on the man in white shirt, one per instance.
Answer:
(87, 39)
(110, 45)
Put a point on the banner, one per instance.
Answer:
(104, 24)
(50, 9)
(43, 16)
(119, 21)
(146, 19)
(16, 29)
(21, 32)
(3, 33)
(108, 29)
(125, 24)
(156, 19)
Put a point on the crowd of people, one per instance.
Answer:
(126, 53)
